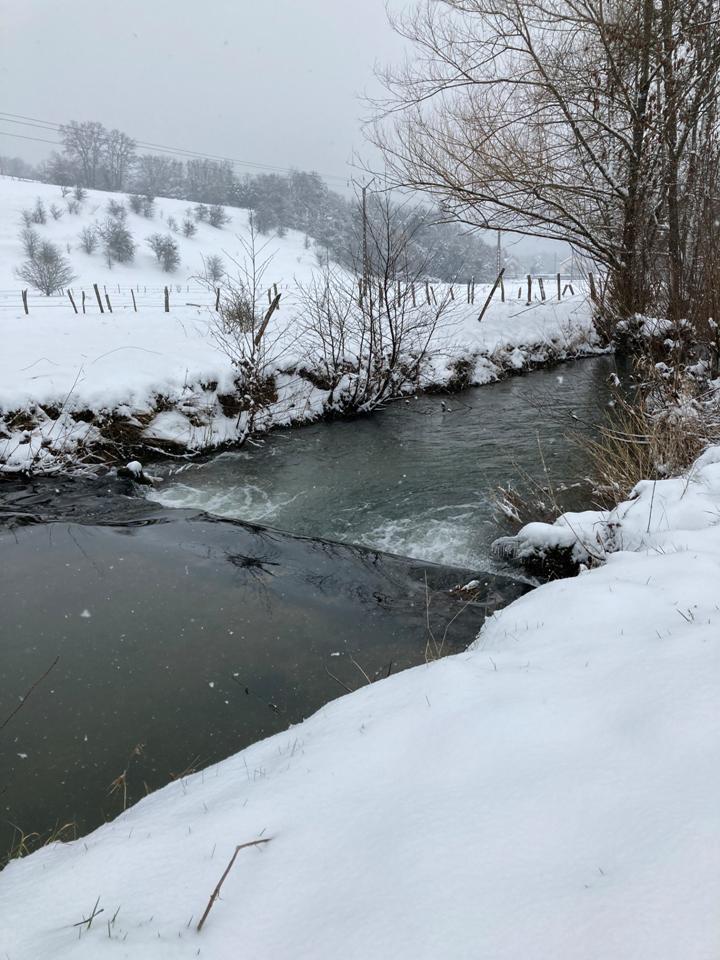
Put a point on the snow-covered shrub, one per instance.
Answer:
(27, 218)
(55, 211)
(30, 242)
(213, 269)
(172, 224)
(73, 207)
(217, 216)
(117, 210)
(370, 336)
(89, 239)
(80, 194)
(142, 204)
(118, 244)
(48, 270)
(166, 251)
(39, 215)
(188, 227)
(201, 212)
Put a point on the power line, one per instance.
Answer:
(49, 125)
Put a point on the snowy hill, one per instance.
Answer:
(289, 255)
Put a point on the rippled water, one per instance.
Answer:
(417, 478)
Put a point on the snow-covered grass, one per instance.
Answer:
(78, 388)
(553, 792)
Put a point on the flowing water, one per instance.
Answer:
(416, 479)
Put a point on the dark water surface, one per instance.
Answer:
(193, 637)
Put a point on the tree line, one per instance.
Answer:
(97, 158)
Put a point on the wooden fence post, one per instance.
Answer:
(529, 288)
(83, 301)
(502, 290)
(541, 284)
(558, 287)
(109, 305)
(167, 300)
(132, 294)
(217, 299)
(72, 301)
(427, 291)
(497, 283)
(23, 294)
(97, 296)
(412, 293)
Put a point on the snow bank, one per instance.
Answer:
(655, 511)
(553, 792)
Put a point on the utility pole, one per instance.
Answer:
(498, 258)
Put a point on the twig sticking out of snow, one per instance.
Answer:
(216, 892)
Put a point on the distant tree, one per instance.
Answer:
(166, 251)
(201, 213)
(213, 269)
(80, 193)
(172, 224)
(48, 270)
(84, 144)
(27, 217)
(188, 227)
(118, 159)
(135, 201)
(89, 239)
(59, 169)
(158, 176)
(17, 167)
(217, 216)
(118, 244)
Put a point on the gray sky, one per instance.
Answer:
(272, 81)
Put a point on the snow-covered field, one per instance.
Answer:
(554, 792)
(66, 379)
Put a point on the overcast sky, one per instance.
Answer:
(273, 81)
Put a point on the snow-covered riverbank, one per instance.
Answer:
(74, 385)
(553, 792)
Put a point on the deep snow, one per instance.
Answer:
(167, 369)
(553, 792)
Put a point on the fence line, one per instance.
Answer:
(142, 297)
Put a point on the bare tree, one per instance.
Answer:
(165, 250)
(213, 268)
(243, 331)
(573, 119)
(84, 144)
(47, 270)
(89, 239)
(118, 159)
(371, 329)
